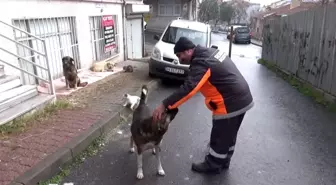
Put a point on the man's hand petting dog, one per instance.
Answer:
(157, 113)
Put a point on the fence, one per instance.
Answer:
(304, 44)
(24, 61)
(60, 37)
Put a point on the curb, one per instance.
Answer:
(256, 44)
(52, 164)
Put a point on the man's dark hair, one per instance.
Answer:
(183, 44)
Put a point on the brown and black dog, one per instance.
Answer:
(146, 134)
(70, 73)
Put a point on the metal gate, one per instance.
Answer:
(60, 35)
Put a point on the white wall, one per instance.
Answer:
(18, 9)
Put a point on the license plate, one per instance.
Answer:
(174, 70)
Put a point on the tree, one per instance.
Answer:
(226, 12)
(240, 8)
(208, 10)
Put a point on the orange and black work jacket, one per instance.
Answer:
(226, 92)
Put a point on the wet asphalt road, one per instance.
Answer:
(286, 139)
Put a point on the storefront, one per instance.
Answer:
(87, 31)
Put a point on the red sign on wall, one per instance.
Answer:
(109, 35)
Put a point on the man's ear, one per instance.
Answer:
(189, 51)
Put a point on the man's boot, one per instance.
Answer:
(211, 165)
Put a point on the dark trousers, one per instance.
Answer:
(223, 139)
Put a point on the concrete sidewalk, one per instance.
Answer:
(39, 152)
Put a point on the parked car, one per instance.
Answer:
(163, 62)
(228, 28)
(241, 34)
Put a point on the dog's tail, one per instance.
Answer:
(144, 94)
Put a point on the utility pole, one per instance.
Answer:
(230, 46)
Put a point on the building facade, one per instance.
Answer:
(70, 28)
(163, 11)
(36, 34)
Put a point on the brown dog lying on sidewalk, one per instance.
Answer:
(70, 73)
(146, 134)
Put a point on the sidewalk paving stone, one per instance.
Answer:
(21, 152)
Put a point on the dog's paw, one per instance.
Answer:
(132, 150)
(161, 172)
(154, 151)
(140, 175)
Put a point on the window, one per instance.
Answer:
(60, 35)
(162, 10)
(169, 8)
(174, 33)
(177, 9)
(98, 39)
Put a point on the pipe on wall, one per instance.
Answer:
(124, 29)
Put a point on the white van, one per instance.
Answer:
(163, 62)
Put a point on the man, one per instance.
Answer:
(226, 93)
